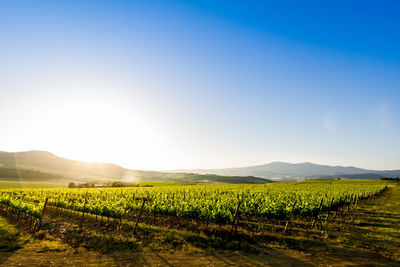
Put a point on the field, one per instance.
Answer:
(207, 203)
(22, 185)
(9, 184)
(191, 218)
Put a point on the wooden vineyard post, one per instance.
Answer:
(353, 202)
(234, 222)
(341, 207)
(289, 223)
(138, 218)
(356, 203)
(329, 211)
(337, 209)
(316, 216)
(71, 207)
(83, 213)
(41, 215)
(44, 207)
(120, 219)
(349, 204)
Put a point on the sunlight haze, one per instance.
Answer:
(162, 86)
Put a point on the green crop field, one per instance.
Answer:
(305, 216)
(208, 203)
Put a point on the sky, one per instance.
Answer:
(160, 85)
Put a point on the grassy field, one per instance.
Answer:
(21, 184)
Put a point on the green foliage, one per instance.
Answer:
(209, 203)
(22, 205)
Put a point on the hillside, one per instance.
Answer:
(44, 166)
(295, 171)
(13, 174)
(50, 163)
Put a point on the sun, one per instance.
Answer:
(101, 130)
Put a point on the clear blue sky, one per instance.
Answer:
(205, 84)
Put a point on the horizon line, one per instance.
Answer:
(194, 169)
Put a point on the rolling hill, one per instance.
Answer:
(297, 171)
(37, 165)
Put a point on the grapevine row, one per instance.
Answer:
(208, 203)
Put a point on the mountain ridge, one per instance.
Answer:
(28, 165)
(295, 171)
(72, 170)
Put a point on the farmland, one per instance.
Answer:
(208, 203)
(295, 215)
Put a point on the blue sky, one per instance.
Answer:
(206, 84)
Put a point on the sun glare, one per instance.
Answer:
(100, 130)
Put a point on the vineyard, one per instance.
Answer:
(187, 205)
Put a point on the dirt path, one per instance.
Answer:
(369, 236)
(275, 258)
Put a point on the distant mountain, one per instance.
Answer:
(49, 163)
(37, 165)
(44, 166)
(298, 171)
